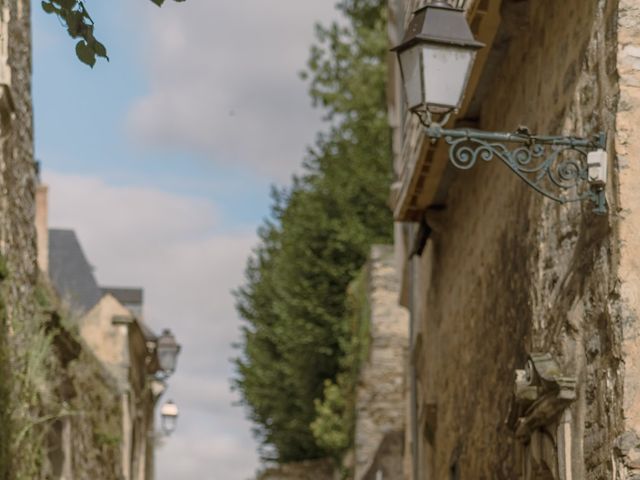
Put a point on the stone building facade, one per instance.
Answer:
(62, 411)
(509, 279)
(110, 325)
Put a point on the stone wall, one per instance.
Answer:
(17, 166)
(84, 435)
(627, 201)
(18, 316)
(308, 470)
(508, 272)
(381, 387)
(60, 413)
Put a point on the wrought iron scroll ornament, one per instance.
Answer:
(560, 168)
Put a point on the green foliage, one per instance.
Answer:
(329, 428)
(32, 381)
(334, 425)
(318, 237)
(25, 360)
(79, 24)
(97, 429)
(107, 439)
(33, 404)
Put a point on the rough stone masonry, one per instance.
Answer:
(508, 273)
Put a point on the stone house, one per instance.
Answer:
(110, 324)
(523, 311)
(64, 412)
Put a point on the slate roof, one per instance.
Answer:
(70, 272)
(126, 296)
(72, 277)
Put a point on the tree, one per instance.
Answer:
(317, 238)
(79, 24)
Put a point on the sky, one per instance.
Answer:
(162, 160)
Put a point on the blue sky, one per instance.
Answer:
(97, 102)
(162, 161)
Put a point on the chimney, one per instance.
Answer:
(42, 227)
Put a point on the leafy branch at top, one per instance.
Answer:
(79, 25)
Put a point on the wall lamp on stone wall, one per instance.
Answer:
(169, 417)
(436, 58)
(167, 350)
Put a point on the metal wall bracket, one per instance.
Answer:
(564, 169)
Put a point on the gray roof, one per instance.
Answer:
(70, 272)
(72, 277)
(126, 296)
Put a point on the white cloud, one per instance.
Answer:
(224, 82)
(173, 247)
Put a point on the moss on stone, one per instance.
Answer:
(47, 376)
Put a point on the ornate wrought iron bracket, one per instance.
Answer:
(564, 169)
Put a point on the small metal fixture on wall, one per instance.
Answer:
(436, 57)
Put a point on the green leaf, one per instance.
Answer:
(85, 53)
(74, 24)
(48, 7)
(79, 24)
(100, 49)
(67, 4)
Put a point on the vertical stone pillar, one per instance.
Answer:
(627, 145)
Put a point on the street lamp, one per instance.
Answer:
(167, 350)
(436, 58)
(169, 416)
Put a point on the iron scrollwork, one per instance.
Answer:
(555, 166)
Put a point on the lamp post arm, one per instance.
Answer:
(521, 136)
(562, 168)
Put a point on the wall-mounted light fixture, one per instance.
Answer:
(169, 417)
(167, 350)
(436, 58)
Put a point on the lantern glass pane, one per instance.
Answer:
(167, 359)
(169, 423)
(446, 72)
(410, 65)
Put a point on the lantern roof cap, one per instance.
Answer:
(439, 23)
(167, 338)
(169, 409)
